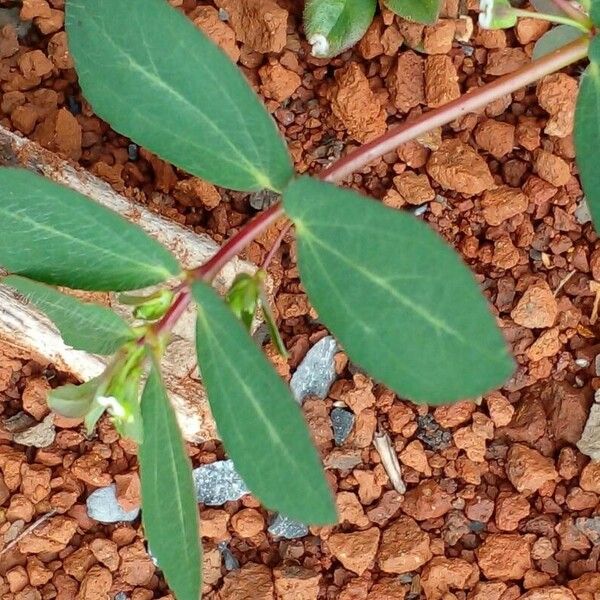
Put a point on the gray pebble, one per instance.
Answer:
(316, 372)
(342, 422)
(102, 506)
(218, 483)
(284, 527)
(477, 526)
(582, 212)
(230, 562)
(431, 433)
(121, 596)
(41, 435)
(263, 199)
(133, 152)
(590, 527)
(12, 16)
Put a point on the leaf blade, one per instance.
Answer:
(333, 26)
(547, 7)
(171, 528)
(257, 417)
(73, 401)
(594, 10)
(82, 325)
(159, 80)
(375, 275)
(72, 241)
(421, 11)
(554, 39)
(587, 130)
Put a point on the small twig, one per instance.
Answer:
(389, 460)
(27, 531)
(172, 315)
(563, 281)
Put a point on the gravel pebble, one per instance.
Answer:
(316, 372)
(342, 421)
(432, 434)
(287, 528)
(218, 483)
(102, 506)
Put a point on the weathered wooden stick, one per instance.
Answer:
(21, 325)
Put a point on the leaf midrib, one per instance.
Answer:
(436, 324)
(167, 419)
(224, 358)
(17, 215)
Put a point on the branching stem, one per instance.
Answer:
(361, 157)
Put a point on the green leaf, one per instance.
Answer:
(151, 307)
(169, 505)
(554, 39)
(74, 401)
(398, 298)
(594, 11)
(52, 234)
(92, 417)
(422, 11)
(242, 298)
(587, 131)
(156, 78)
(260, 423)
(547, 7)
(333, 26)
(85, 326)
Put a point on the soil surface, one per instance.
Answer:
(499, 502)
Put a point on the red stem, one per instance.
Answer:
(276, 245)
(238, 242)
(469, 102)
(174, 313)
(359, 158)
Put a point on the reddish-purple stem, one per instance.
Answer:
(238, 242)
(276, 245)
(361, 157)
(174, 313)
(469, 102)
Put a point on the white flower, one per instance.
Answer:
(114, 407)
(486, 14)
(320, 45)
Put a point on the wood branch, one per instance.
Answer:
(22, 326)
